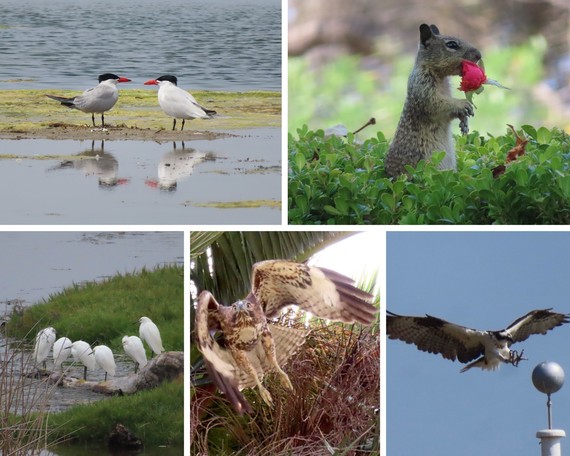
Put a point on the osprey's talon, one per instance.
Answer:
(519, 358)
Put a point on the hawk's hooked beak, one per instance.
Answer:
(241, 306)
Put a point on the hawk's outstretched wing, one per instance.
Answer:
(434, 335)
(276, 284)
(219, 361)
(220, 370)
(536, 322)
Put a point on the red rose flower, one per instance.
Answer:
(472, 76)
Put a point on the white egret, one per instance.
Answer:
(61, 351)
(105, 359)
(45, 339)
(82, 353)
(151, 335)
(134, 348)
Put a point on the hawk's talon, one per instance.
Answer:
(265, 396)
(285, 380)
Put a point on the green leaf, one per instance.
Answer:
(529, 130)
(564, 183)
(300, 160)
(332, 210)
(543, 135)
(388, 201)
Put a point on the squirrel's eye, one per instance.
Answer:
(451, 44)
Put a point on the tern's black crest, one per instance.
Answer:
(106, 76)
(169, 77)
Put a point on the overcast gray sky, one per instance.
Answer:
(483, 280)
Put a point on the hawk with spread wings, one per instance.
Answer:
(248, 345)
(487, 349)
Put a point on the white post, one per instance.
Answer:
(550, 441)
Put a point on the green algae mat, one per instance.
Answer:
(137, 115)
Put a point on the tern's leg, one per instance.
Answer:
(102, 120)
(93, 118)
(84, 372)
(269, 348)
(243, 363)
(183, 120)
(174, 125)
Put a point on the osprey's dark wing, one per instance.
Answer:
(276, 284)
(434, 335)
(536, 322)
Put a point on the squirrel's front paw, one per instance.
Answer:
(465, 109)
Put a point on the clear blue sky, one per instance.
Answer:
(483, 280)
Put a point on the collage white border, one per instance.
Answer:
(186, 229)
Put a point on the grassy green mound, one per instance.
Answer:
(103, 313)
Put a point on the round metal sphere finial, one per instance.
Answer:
(548, 377)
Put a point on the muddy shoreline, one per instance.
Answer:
(83, 132)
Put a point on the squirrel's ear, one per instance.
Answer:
(425, 34)
(434, 29)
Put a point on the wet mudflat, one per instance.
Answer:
(234, 179)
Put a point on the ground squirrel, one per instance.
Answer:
(425, 124)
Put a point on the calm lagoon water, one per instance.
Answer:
(35, 265)
(230, 45)
(141, 182)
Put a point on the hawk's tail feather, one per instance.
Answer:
(230, 390)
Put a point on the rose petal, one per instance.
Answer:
(472, 76)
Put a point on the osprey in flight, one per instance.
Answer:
(248, 345)
(491, 348)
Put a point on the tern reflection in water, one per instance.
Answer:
(95, 162)
(177, 165)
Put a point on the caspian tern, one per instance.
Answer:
(99, 99)
(178, 103)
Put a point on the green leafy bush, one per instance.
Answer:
(339, 181)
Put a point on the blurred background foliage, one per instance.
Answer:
(349, 61)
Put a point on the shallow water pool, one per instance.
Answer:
(143, 182)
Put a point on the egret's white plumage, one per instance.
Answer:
(149, 332)
(61, 351)
(105, 359)
(45, 339)
(178, 103)
(134, 348)
(82, 353)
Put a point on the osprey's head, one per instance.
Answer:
(504, 335)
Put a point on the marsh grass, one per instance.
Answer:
(333, 409)
(104, 312)
(24, 410)
(156, 416)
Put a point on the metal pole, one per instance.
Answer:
(548, 406)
